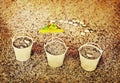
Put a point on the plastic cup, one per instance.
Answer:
(22, 54)
(89, 53)
(55, 60)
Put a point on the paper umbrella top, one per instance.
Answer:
(51, 28)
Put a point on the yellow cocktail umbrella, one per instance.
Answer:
(52, 28)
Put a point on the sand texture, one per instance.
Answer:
(83, 21)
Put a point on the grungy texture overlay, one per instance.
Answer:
(100, 16)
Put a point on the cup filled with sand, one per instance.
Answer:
(89, 53)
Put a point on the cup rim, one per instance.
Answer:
(20, 37)
(58, 42)
(88, 44)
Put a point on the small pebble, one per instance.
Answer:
(87, 31)
(91, 31)
(61, 21)
(89, 55)
(74, 20)
(26, 41)
(25, 45)
(81, 22)
(52, 21)
(21, 47)
(70, 22)
(65, 21)
(21, 41)
(75, 24)
(84, 25)
(82, 33)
